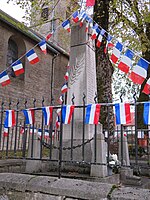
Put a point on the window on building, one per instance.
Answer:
(44, 14)
(12, 55)
(16, 48)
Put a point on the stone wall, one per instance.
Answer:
(37, 78)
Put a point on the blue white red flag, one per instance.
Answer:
(100, 37)
(10, 120)
(60, 100)
(66, 77)
(5, 133)
(67, 112)
(123, 114)
(90, 3)
(18, 68)
(116, 52)
(126, 61)
(146, 113)
(39, 133)
(48, 114)
(146, 89)
(75, 16)
(64, 88)
(49, 36)
(43, 47)
(32, 57)
(92, 114)
(66, 25)
(33, 130)
(82, 17)
(139, 72)
(4, 79)
(29, 116)
(57, 123)
(58, 111)
(109, 44)
(95, 32)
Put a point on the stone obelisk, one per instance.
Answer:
(82, 80)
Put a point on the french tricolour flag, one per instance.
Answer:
(123, 115)
(100, 37)
(75, 16)
(64, 88)
(109, 44)
(146, 113)
(10, 120)
(95, 32)
(42, 45)
(5, 133)
(66, 25)
(92, 114)
(116, 52)
(32, 57)
(139, 72)
(90, 3)
(49, 36)
(67, 112)
(126, 61)
(48, 114)
(57, 123)
(82, 17)
(146, 89)
(18, 68)
(66, 76)
(29, 116)
(4, 79)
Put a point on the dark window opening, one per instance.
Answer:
(12, 56)
(44, 14)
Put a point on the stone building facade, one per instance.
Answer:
(43, 79)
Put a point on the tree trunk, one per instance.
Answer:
(104, 67)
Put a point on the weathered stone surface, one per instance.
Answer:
(127, 193)
(53, 186)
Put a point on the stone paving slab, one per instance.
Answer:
(54, 186)
(128, 193)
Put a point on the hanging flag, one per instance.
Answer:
(18, 68)
(109, 44)
(100, 37)
(4, 79)
(95, 32)
(5, 133)
(146, 113)
(64, 88)
(126, 61)
(58, 111)
(39, 133)
(87, 27)
(67, 112)
(82, 17)
(123, 115)
(21, 130)
(10, 120)
(32, 57)
(57, 123)
(46, 134)
(90, 3)
(146, 89)
(140, 134)
(66, 25)
(49, 36)
(75, 16)
(139, 72)
(92, 114)
(60, 100)
(42, 45)
(66, 76)
(29, 116)
(116, 52)
(33, 130)
(48, 114)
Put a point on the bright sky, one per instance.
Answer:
(11, 9)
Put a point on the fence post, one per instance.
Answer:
(1, 123)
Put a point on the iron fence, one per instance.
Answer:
(20, 141)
